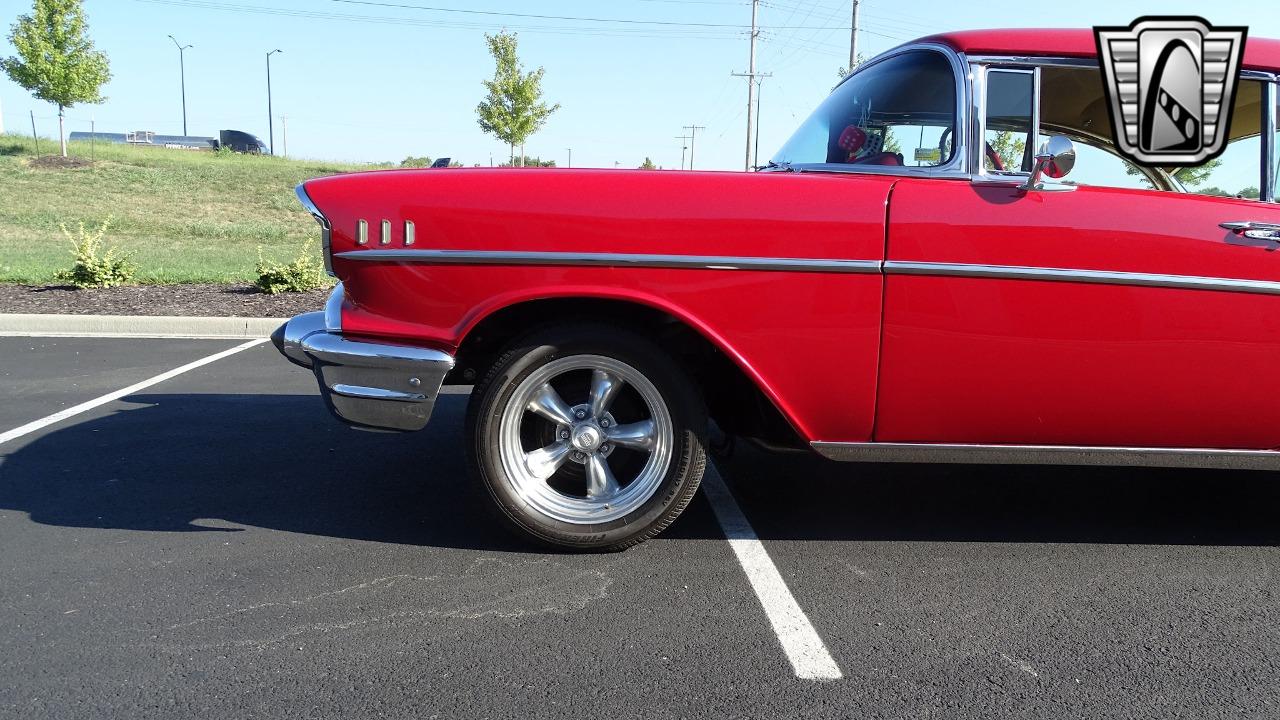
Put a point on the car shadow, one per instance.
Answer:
(210, 462)
(804, 497)
(201, 462)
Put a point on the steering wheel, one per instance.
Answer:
(996, 162)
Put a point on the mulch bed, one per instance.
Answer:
(57, 162)
(182, 300)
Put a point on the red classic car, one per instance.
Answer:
(909, 279)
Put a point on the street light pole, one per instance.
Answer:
(182, 72)
(270, 122)
(570, 156)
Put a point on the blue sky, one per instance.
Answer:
(374, 82)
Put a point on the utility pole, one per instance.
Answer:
(684, 145)
(693, 140)
(270, 118)
(751, 78)
(751, 83)
(284, 134)
(853, 38)
(182, 72)
(759, 93)
(570, 156)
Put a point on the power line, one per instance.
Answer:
(631, 21)
(636, 32)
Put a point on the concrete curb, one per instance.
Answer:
(135, 326)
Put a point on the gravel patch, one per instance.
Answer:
(182, 300)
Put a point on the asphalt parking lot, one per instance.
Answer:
(215, 545)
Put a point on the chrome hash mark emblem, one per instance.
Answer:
(1170, 85)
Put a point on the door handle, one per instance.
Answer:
(1253, 230)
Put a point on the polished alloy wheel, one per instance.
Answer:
(585, 439)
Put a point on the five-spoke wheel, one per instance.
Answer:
(581, 434)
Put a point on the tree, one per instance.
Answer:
(513, 110)
(843, 72)
(648, 164)
(1191, 176)
(424, 162)
(1011, 147)
(526, 161)
(56, 61)
(1194, 175)
(1250, 193)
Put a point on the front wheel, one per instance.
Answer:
(587, 437)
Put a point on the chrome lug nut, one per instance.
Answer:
(581, 414)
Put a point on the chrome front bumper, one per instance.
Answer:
(382, 385)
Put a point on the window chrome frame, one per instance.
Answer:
(968, 136)
(958, 166)
(977, 152)
(1271, 156)
(1270, 153)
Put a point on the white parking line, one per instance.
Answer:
(61, 415)
(804, 648)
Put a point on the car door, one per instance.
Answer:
(1099, 316)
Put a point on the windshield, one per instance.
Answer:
(898, 112)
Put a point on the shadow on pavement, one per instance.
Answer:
(804, 497)
(174, 462)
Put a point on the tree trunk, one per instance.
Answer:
(522, 163)
(512, 161)
(62, 133)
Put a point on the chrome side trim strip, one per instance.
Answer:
(1102, 277)
(698, 262)
(1049, 455)
(374, 393)
(892, 267)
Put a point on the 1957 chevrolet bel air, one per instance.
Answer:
(949, 261)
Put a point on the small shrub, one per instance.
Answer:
(306, 272)
(97, 265)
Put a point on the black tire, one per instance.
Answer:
(536, 349)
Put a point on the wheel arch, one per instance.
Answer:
(738, 398)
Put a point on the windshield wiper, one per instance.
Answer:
(783, 166)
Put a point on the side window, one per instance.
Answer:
(1007, 133)
(1100, 166)
(897, 112)
(1073, 103)
(1237, 171)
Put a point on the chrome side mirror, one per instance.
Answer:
(1056, 158)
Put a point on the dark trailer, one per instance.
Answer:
(235, 140)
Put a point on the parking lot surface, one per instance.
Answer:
(215, 545)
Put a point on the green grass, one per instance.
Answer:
(183, 216)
